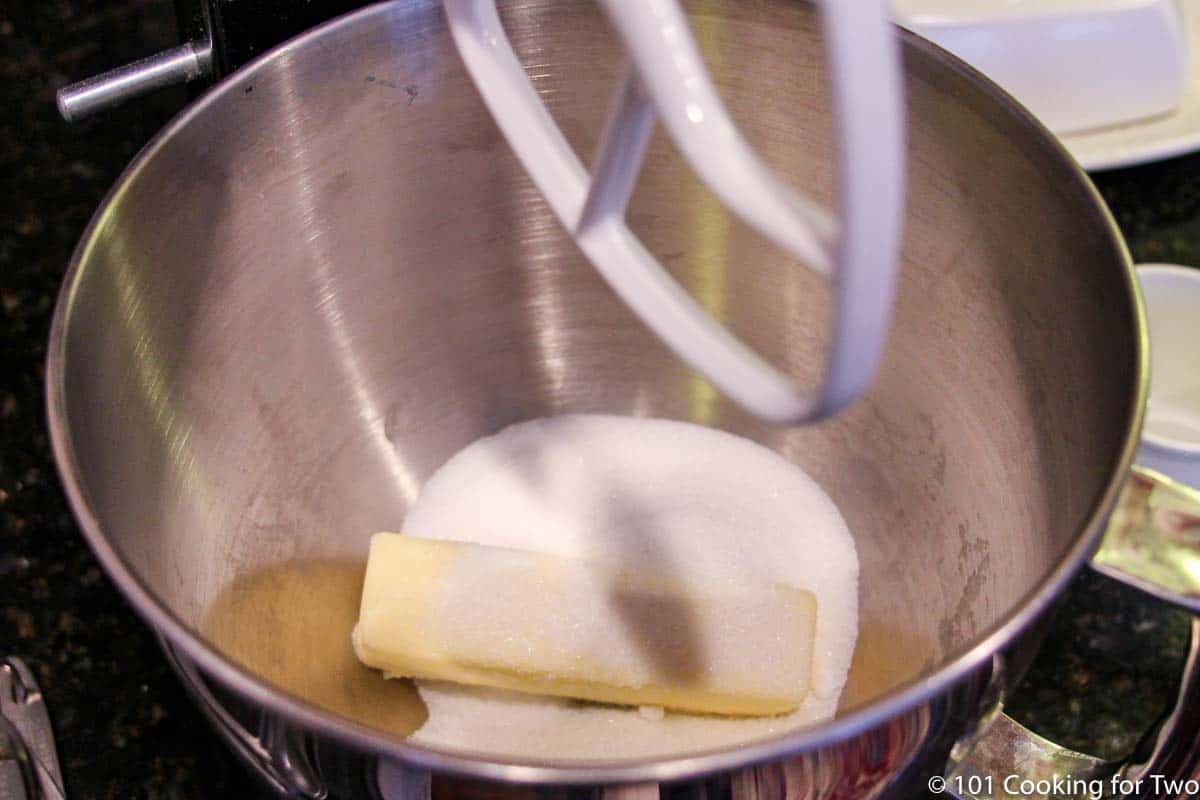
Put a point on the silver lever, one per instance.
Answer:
(31, 759)
(101, 92)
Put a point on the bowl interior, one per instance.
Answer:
(331, 274)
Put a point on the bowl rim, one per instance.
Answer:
(956, 667)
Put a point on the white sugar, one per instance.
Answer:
(684, 501)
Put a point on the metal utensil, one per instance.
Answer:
(28, 760)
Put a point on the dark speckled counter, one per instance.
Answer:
(125, 728)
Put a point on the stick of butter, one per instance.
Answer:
(535, 623)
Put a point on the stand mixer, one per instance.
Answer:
(969, 443)
(667, 80)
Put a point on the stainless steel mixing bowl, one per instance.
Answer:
(329, 274)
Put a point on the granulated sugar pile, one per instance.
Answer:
(672, 498)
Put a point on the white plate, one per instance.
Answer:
(1162, 137)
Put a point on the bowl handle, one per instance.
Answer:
(1152, 543)
(666, 80)
(276, 750)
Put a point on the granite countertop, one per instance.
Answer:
(124, 725)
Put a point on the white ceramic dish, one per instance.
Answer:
(1079, 65)
(1171, 437)
(1163, 137)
